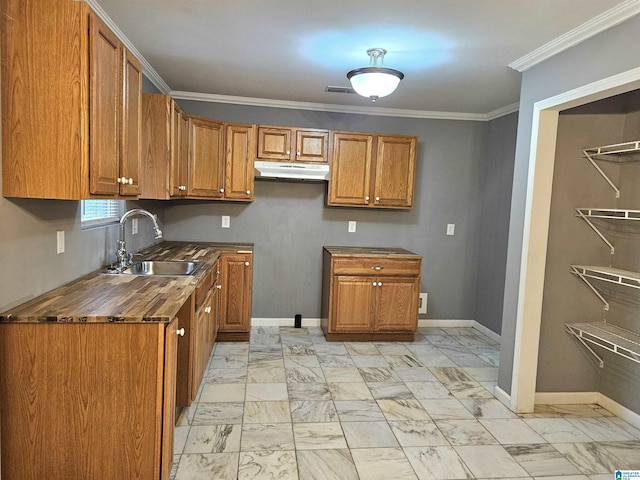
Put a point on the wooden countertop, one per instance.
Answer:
(370, 252)
(100, 298)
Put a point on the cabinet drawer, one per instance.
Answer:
(376, 266)
(204, 287)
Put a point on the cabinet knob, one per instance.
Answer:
(219, 286)
(130, 181)
(379, 284)
(222, 190)
(375, 283)
(298, 153)
(183, 187)
(246, 264)
(288, 152)
(367, 198)
(217, 272)
(377, 199)
(207, 309)
(180, 331)
(248, 192)
(377, 268)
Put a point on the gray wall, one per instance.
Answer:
(495, 196)
(289, 222)
(612, 51)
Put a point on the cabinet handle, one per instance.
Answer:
(367, 198)
(377, 199)
(222, 190)
(248, 192)
(246, 264)
(377, 268)
(180, 331)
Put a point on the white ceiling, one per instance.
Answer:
(454, 53)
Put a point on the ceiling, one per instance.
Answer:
(454, 53)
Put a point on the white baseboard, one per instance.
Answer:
(459, 323)
(283, 322)
(568, 398)
(565, 398)
(503, 397)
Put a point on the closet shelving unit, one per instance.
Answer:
(618, 153)
(604, 334)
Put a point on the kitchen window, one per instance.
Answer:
(96, 213)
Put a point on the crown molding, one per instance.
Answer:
(324, 107)
(600, 23)
(149, 71)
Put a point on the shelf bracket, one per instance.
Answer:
(601, 172)
(586, 345)
(595, 229)
(593, 289)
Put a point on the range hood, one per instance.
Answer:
(286, 170)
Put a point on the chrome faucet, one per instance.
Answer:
(123, 258)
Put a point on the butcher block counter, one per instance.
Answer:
(370, 294)
(98, 297)
(93, 372)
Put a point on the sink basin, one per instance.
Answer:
(167, 268)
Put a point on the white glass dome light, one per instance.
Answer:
(374, 81)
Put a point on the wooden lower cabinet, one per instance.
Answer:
(236, 272)
(85, 401)
(370, 297)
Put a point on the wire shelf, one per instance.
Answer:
(608, 214)
(619, 153)
(608, 336)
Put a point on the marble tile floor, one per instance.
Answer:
(289, 405)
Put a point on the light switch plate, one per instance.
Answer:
(451, 228)
(226, 221)
(352, 226)
(60, 241)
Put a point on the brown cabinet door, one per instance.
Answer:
(350, 169)
(353, 304)
(395, 171)
(179, 151)
(206, 166)
(397, 304)
(105, 92)
(201, 337)
(236, 277)
(169, 397)
(274, 144)
(311, 146)
(156, 146)
(131, 127)
(240, 158)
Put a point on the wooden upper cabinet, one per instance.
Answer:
(105, 93)
(285, 144)
(395, 171)
(164, 148)
(131, 125)
(374, 171)
(240, 158)
(350, 169)
(70, 103)
(206, 158)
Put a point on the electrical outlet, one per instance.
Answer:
(451, 228)
(422, 307)
(134, 226)
(60, 241)
(352, 226)
(226, 221)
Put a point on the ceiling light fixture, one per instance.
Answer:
(375, 81)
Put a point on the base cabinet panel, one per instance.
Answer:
(354, 305)
(236, 271)
(86, 400)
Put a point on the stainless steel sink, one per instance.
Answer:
(160, 267)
